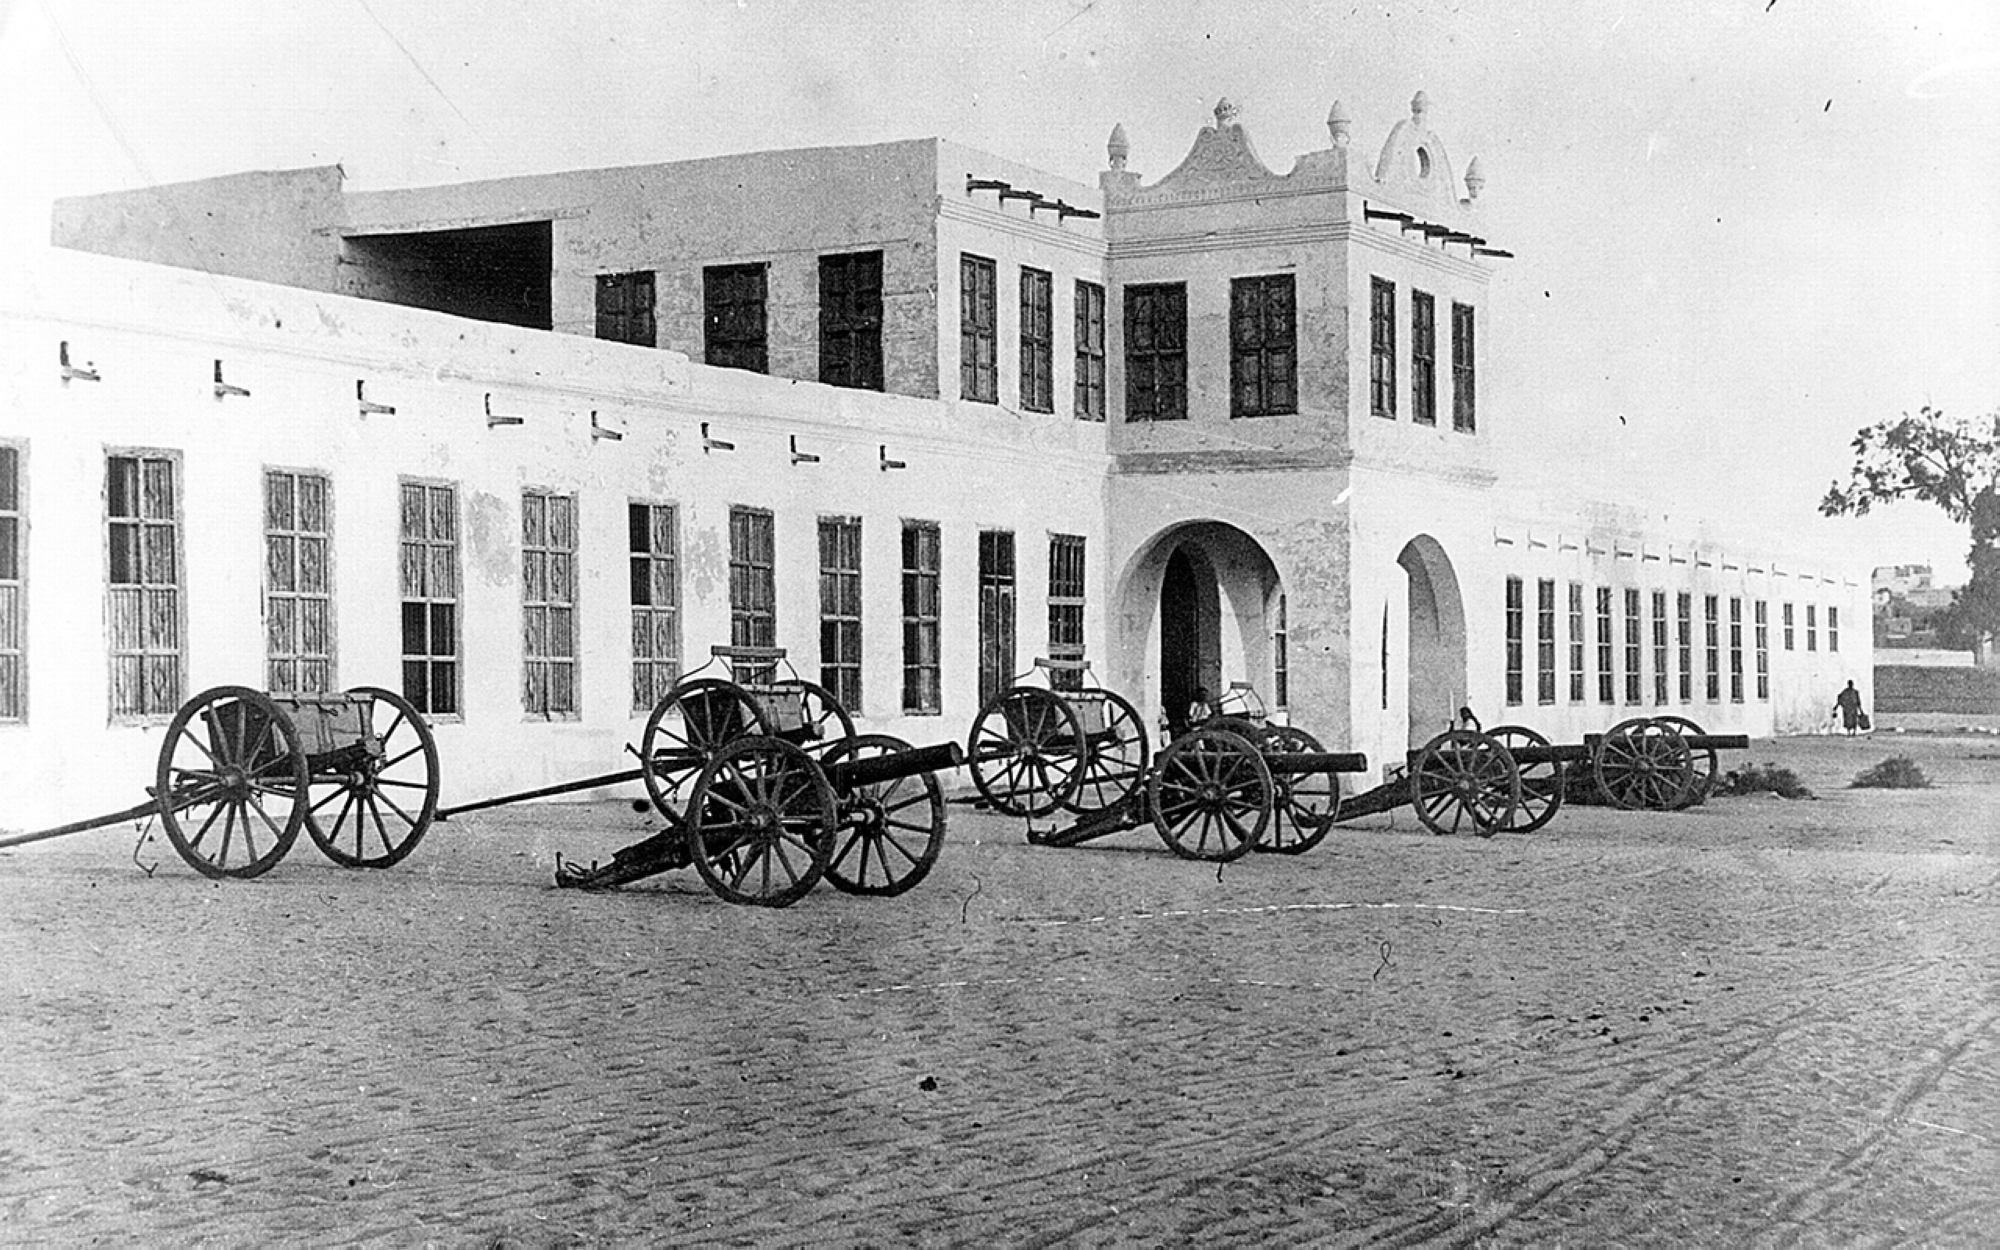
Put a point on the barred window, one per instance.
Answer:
(1089, 351)
(1577, 642)
(1263, 346)
(753, 589)
(1684, 638)
(1812, 627)
(1038, 341)
(548, 604)
(1735, 650)
(1763, 642)
(1066, 589)
(734, 334)
(625, 308)
(1634, 649)
(1832, 628)
(13, 588)
(978, 330)
(1382, 347)
(840, 608)
(298, 582)
(1712, 647)
(850, 320)
(1463, 417)
(1281, 664)
(920, 617)
(1786, 610)
(996, 612)
(146, 609)
(428, 541)
(654, 584)
(1514, 641)
(1545, 641)
(1607, 681)
(1660, 674)
(1156, 351)
(1423, 358)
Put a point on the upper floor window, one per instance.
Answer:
(1156, 351)
(625, 307)
(1382, 347)
(1423, 358)
(1263, 346)
(733, 317)
(1038, 341)
(1462, 412)
(978, 330)
(146, 612)
(1089, 351)
(13, 590)
(850, 320)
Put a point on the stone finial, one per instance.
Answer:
(1420, 104)
(1225, 112)
(1339, 124)
(1118, 147)
(1475, 178)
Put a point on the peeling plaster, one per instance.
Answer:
(490, 530)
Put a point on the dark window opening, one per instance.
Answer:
(1382, 347)
(1423, 358)
(1089, 351)
(625, 308)
(850, 320)
(487, 273)
(996, 612)
(978, 330)
(1156, 352)
(1038, 341)
(1263, 346)
(1462, 408)
(733, 333)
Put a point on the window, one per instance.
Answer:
(1423, 358)
(1576, 642)
(1607, 688)
(548, 604)
(1659, 646)
(653, 542)
(1089, 351)
(146, 610)
(1633, 647)
(1762, 639)
(13, 589)
(1787, 611)
(1832, 628)
(1156, 352)
(840, 608)
(753, 590)
(996, 612)
(1545, 641)
(1514, 626)
(978, 330)
(850, 320)
(1281, 660)
(1462, 415)
(429, 555)
(1735, 650)
(298, 583)
(733, 320)
(1263, 346)
(1066, 586)
(1812, 627)
(920, 617)
(1684, 638)
(1382, 348)
(625, 308)
(1712, 648)
(1038, 341)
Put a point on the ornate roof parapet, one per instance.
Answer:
(1413, 166)
(1221, 153)
(1116, 149)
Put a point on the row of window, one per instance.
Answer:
(1423, 358)
(1622, 655)
(146, 605)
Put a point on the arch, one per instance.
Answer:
(1435, 670)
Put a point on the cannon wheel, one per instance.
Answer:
(762, 822)
(1306, 804)
(1541, 784)
(1706, 764)
(1115, 757)
(1643, 765)
(1212, 795)
(687, 729)
(232, 768)
(1463, 775)
(403, 779)
(890, 832)
(831, 723)
(1026, 751)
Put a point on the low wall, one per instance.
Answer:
(1918, 688)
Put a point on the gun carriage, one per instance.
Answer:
(242, 772)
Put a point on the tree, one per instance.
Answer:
(1954, 463)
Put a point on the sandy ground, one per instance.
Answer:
(1760, 1022)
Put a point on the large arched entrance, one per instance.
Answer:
(1435, 639)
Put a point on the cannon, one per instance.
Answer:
(1035, 749)
(1513, 779)
(241, 772)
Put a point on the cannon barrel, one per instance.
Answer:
(1717, 742)
(846, 775)
(1298, 763)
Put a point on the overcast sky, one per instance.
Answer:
(1744, 228)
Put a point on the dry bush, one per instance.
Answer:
(1898, 772)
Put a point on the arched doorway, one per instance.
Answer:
(1190, 632)
(1436, 682)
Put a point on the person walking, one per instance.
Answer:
(1847, 706)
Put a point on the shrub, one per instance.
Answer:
(1898, 772)
(1762, 779)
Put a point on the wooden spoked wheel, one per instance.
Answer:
(1706, 762)
(1116, 752)
(1026, 752)
(1643, 765)
(372, 803)
(1541, 782)
(761, 822)
(1305, 804)
(231, 782)
(1212, 795)
(824, 722)
(687, 729)
(1465, 781)
(891, 831)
